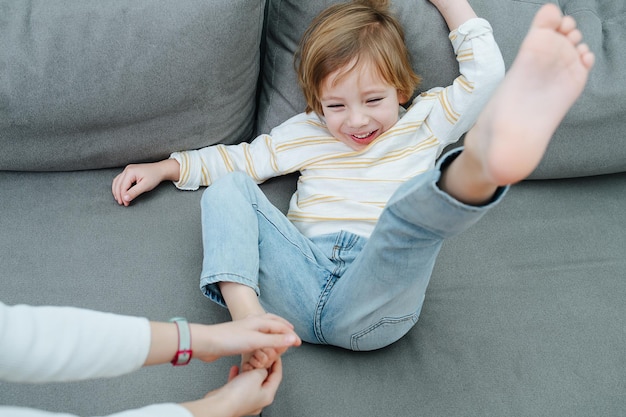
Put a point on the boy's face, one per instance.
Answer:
(359, 106)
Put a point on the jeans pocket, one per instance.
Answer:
(383, 333)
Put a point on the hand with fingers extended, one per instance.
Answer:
(210, 342)
(100, 344)
(267, 333)
(246, 393)
(266, 354)
(137, 179)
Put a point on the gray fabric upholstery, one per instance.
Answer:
(103, 84)
(524, 315)
(64, 241)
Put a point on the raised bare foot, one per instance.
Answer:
(545, 79)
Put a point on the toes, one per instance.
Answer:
(568, 24)
(586, 56)
(574, 36)
(582, 49)
(259, 359)
(548, 17)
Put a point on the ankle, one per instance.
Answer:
(242, 301)
(466, 180)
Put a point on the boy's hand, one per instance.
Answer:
(138, 179)
(454, 12)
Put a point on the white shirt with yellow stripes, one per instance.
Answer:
(343, 189)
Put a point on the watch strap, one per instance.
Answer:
(184, 353)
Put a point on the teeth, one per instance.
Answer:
(363, 136)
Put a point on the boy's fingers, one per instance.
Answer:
(115, 188)
(131, 194)
(121, 184)
(133, 191)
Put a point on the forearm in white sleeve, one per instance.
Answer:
(202, 167)
(45, 344)
(157, 410)
(482, 69)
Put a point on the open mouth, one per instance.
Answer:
(364, 137)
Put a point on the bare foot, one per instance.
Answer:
(260, 359)
(547, 76)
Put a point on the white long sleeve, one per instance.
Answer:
(47, 344)
(157, 410)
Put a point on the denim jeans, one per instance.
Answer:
(340, 289)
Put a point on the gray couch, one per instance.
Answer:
(524, 315)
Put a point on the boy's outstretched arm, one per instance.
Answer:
(138, 179)
(454, 12)
(545, 79)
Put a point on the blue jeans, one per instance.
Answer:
(340, 289)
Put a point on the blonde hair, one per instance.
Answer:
(346, 35)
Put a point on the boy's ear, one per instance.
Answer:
(402, 98)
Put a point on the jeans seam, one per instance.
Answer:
(279, 230)
(321, 303)
(385, 320)
(339, 263)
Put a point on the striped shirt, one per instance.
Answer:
(343, 189)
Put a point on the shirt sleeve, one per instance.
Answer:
(157, 410)
(481, 69)
(202, 167)
(47, 344)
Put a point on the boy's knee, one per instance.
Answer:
(224, 188)
(230, 181)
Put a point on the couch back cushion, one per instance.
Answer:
(94, 84)
(589, 141)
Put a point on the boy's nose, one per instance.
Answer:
(357, 119)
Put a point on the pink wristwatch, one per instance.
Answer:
(184, 353)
